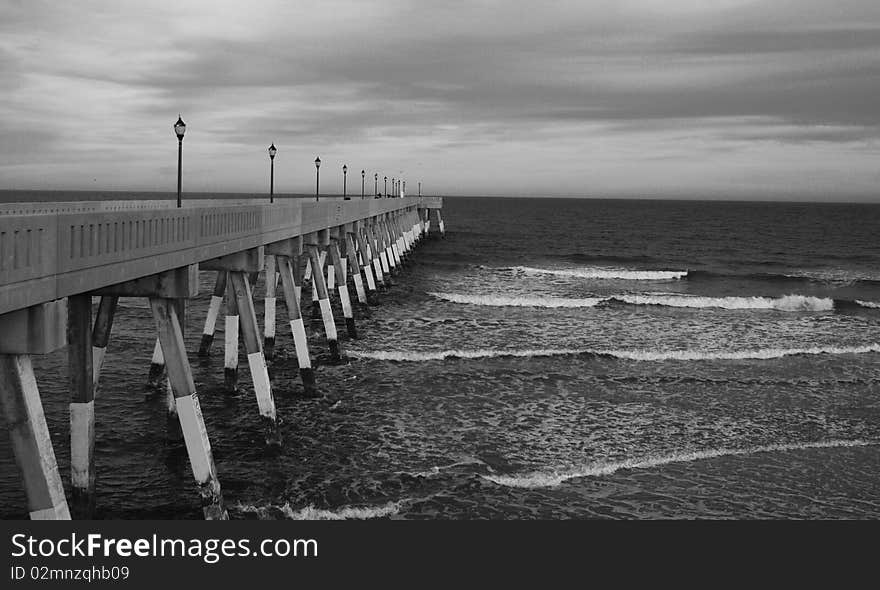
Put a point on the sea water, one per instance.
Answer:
(550, 358)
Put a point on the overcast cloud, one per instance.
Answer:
(627, 97)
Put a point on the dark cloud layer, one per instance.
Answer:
(709, 89)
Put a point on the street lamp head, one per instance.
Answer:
(179, 128)
(376, 176)
(363, 173)
(272, 150)
(317, 162)
(386, 179)
(344, 169)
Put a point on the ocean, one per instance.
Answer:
(547, 359)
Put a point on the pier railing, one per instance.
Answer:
(53, 250)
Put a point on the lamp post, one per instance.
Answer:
(179, 129)
(344, 180)
(317, 176)
(272, 152)
(393, 185)
(404, 188)
(386, 186)
(376, 186)
(363, 177)
(420, 189)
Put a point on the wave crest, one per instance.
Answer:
(868, 304)
(785, 303)
(607, 273)
(549, 479)
(632, 355)
(312, 513)
(506, 301)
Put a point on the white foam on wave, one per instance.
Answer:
(633, 355)
(868, 304)
(549, 479)
(607, 273)
(785, 303)
(312, 513)
(506, 301)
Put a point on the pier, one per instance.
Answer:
(55, 258)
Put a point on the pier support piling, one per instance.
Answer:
(344, 297)
(356, 270)
(269, 308)
(250, 332)
(230, 338)
(366, 261)
(286, 268)
(31, 443)
(156, 376)
(82, 405)
(213, 312)
(101, 335)
(324, 304)
(39, 329)
(189, 411)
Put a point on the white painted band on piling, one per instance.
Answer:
(270, 318)
(298, 330)
(378, 268)
(213, 311)
(442, 227)
(345, 299)
(82, 442)
(344, 263)
(308, 273)
(298, 290)
(262, 386)
(359, 288)
(387, 261)
(97, 363)
(314, 292)
(231, 358)
(327, 315)
(170, 402)
(331, 278)
(57, 512)
(371, 282)
(196, 438)
(158, 357)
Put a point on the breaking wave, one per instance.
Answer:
(311, 513)
(785, 303)
(632, 355)
(507, 301)
(607, 273)
(868, 304)
(549, 479)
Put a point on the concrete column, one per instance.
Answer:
(324, 303)
(156, 377)
(297, 328)
(356, 270)
(365, 258)
(269, 325)
(250, 332)
(344, 297)
(380, 267)
(31, 442)
(213, 312)
(198, 447)
(82, 405)
(101, 335)
(230, 365)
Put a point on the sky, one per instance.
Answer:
(598, 98)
